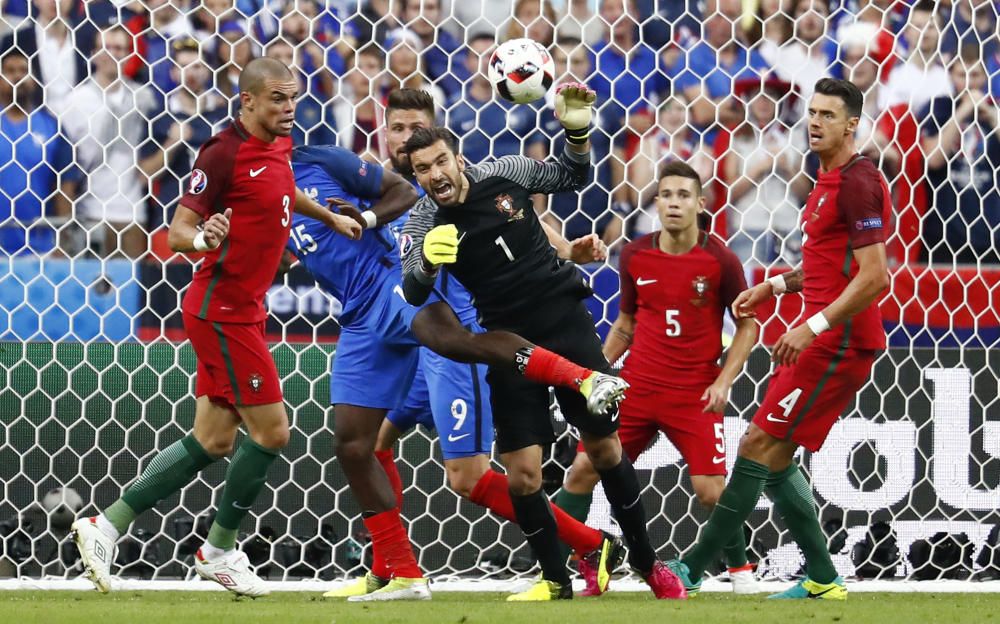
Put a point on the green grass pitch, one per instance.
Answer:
(152, 607)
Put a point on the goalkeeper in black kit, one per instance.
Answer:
(478, 223)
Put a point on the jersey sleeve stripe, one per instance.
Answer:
(216, 276)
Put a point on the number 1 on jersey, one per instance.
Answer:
(503, 245)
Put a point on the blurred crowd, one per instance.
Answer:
(104, 104)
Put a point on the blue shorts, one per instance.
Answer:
(377, 355)
(453, 398)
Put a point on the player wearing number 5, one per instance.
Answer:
(676, 285)
(823, 362)
(242, 192)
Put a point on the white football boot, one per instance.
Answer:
(97, 551)
(232, 571)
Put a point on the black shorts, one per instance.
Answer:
(521, 414)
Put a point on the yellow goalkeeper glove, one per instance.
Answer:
(574, 110)
(441, 245)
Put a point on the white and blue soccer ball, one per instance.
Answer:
(521, 70)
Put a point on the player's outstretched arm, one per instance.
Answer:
(394, 197)
(583, 250)
(745, 304)
(620, 337)
(184, 236)
(346, 226)
(574, 108)
(716, 396)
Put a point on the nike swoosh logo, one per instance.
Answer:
(643, 282)
(257, 172)
(777, 420)
(456, 438)
(632, 504)
(718, 460)
(533, 533)
(817, 595)
(239, 506)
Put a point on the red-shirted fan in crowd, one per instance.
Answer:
(242, 193)
(823, 362)
(676, 285)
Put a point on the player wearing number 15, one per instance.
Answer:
(242, 192)
(823, 362)
(676, 285)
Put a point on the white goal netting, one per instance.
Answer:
(103, 105)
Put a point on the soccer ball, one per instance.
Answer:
(62, 505)
(521, 70)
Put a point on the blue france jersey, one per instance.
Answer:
(447, 288)
(351, 271)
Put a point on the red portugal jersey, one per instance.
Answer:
(235, 169)
(850, 208)
(678, 302)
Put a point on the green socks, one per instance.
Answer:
(735, 505)
(170, 470)
(244, 480)
(793, 499)
(577, 506)
(735, 550)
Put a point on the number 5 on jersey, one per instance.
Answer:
(673, 323)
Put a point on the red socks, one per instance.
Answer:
(493, 493)
(552, 369)
(389, 465)
(390, 540)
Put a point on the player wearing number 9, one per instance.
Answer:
(676, 285)
(242, 192)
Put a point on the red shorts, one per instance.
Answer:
(804, 400)
(697, 434)
(234, 364)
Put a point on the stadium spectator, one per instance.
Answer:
(49, 40)
(705, 75)
(302, 26)
(486, 125)
(315, 122)
(671, 138)
(624, 70)
(579, 22)
(403, 63)
(875, 135)
(921, 76)
(808, 54)
(772, 24)
(761, 170)
(870, 25)
(533, 19)
(375, 19)
(233, 50)
(35, 161)
(157, 23)
(193, 114)
(970, 22)
(961, 142)
(443, 54)
(357, 107)
(577, 214)
(209, 15)
(107, 121)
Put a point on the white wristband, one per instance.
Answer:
(199, 242)
(818, 323)
(370, 219)
(778, 285)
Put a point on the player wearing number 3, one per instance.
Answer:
(823, 362)
(242, 192)
(676, 285)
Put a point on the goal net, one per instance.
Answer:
(104, 104)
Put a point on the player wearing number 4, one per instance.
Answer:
(480, 224)
(822, 363)
(242, 192)
(675, 287)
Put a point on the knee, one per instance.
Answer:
(462, 483)
(604, 453)
(708, 495)
(219, 445)
(755, 444)
(352, 451)
(274, 438)
(524, 480)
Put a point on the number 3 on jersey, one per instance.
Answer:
(673, 323)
